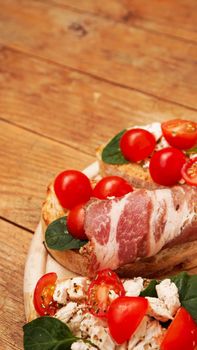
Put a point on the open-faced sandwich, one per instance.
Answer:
(109, 313)
(140, 218)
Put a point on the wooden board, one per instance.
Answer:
(69, 75)
(26, 173)
(145, 61)
(61, 96)
(176, 18)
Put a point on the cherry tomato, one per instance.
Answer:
(75, 222)
(165, 166)
(101, 292)
(72, 188)
(137, 144)
(43, 295)
(124, 316)
(181, 334)
(111, 186)
(189, 172)
(180, 133)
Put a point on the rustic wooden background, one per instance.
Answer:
(72, 73)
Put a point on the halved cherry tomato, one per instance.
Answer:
(101, 292)
(111, 186)
(137, 144)
(75, 222)
(165, 166)
(180, 133)
(43, 295)
(189, 172)
(181, 334)
(124, 316)
(72, 187)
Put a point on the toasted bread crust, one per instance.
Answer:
(51, 208)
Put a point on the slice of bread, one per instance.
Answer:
(169, 260)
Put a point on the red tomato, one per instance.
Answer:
(189, 172)
(111, 186)
(165, 166)
(43, 295)
(180, 133)
(181, 334)
(137, 144)
(100, 290)
(75, 222)
(124, 316)
(72, 188)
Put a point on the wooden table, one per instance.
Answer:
(72, 73)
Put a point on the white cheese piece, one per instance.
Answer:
(167, 291)
(78, 288)
(133, 287)
(147, 336)
(76, 319)
(158, 310)
(66, 312)
(60, 293)
(94, 329)
(80, 345)
(73, 289)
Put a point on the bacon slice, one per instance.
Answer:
(140, 224)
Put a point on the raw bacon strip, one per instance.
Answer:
(139, 224)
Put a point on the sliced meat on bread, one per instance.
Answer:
(182, 255)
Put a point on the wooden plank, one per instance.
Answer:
(28, 163)
(152, 63)
(33, 91)
(176, 18)
(14, 244)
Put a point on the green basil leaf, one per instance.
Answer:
(191, 151)
(111, 153)
(47, 333)
(150, 290)
(187, 287)
(57, 236)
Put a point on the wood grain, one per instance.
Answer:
(73, 73)
(176, 18)
(28, 163)
(35, 91)
(141, 60)
(16, 242)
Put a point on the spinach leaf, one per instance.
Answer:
(47, 333)
(111, 153)
(187, 287)
(150, 290)
(58, 238)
